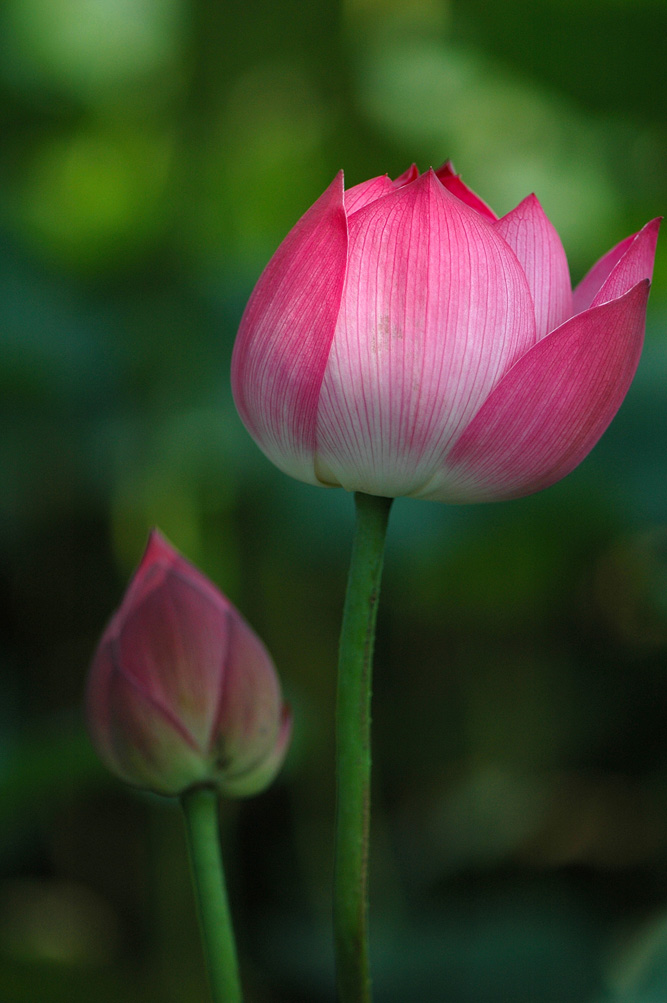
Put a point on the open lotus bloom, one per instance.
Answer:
(403, 340)
(181, 691)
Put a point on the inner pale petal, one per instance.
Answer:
(435, 309)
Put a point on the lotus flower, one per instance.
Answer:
(182, 692)
(403, 340)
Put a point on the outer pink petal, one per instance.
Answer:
(174, 645)
(550, 409)
(452, 182)
(285, 335)
(135, 738)
(158, 560)
(635, 264)
(249, 720)
(368, 191)
(594, 281)
(538, 247)
(435, 310)
(261, 774)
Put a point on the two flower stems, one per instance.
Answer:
(353, 749)
(353, 778)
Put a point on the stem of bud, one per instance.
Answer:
(200, 807)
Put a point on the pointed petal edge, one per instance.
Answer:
(285, 335)
(448, 177)
(635, 264)
(536, 243)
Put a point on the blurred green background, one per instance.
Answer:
(153, 155)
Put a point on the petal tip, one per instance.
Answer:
(407, 177)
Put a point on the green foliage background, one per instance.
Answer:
(153, 155)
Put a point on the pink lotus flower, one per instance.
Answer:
(181, 691)
(403, 340)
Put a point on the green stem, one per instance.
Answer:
(200, 807)
(353, 749)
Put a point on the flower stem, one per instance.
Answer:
(353, 748)
(200, 807)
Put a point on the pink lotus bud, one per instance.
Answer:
(181, 691)
(403, 340)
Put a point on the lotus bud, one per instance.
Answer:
(181, 692)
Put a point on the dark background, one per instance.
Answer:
(153, 155)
